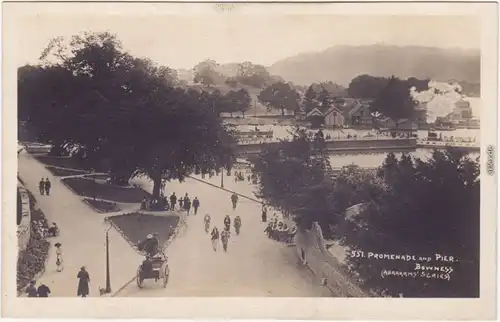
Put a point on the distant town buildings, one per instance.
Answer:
(342, 112)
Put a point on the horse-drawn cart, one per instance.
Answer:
(156, 268)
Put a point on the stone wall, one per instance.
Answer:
(340, 145)
(24, 228)
(312, 251)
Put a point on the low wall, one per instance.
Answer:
(311, 250)
(341, 145)
(24, 228)
(37, 148)
(472, 146)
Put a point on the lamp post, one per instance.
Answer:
(108, 279)
(93, 182)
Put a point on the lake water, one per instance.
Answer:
(372, 159)
(375, 159)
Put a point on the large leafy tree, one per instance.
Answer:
(206, 73)
(253, 75)
(395, 100)
(280, 96)
(290, 171)
(366, 86)
(430, 207)
(125, 113)
(239, 100)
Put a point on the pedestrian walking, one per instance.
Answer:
(59, 257)
(181, 203)
(48, 185)
(173, 201)
(41, 186)
(83, 283)
(43, 291)
(187, 205)
(264, 213)
(31, 289)
(196, 204)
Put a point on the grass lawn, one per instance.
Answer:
(91, 189)
(136, 226)
(63, 162)
(102, 206)
(59, 172)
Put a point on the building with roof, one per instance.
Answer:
(360, 114)
(334, 117)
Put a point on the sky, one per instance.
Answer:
(181, 41)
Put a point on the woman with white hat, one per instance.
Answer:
(59, 257)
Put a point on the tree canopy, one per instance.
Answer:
(406, 206)
(206, 73)
(253, 75)
(280, 96)
(125, 114)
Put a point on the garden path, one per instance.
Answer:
(82, 237)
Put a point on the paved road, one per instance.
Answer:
(82, 237)
(253, 265)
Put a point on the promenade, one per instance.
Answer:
(82, 235)
(253, 266)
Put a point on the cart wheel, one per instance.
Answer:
(139, 278)
(166, 274)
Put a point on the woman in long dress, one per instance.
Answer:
(59, 258)
(83, 284)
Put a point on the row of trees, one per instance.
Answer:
(390, 96)
(208, 74)
(407, 206)
(124, 114)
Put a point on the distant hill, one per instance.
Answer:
(340, 64)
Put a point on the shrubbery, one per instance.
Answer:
(409, 206)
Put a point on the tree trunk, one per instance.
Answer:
(282, 112)
(156, 186)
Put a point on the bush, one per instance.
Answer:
(31, 261)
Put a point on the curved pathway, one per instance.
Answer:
(253, 266)
(82, 237)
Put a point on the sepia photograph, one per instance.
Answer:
(283, 153)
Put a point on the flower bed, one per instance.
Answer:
(102, 206)
(136, 226)
(88, 188)
(62, 172)
(31, 261)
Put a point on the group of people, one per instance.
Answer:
(185, 203)
(225, 234)
(44, 186)
(41, 228)
(163, 203)
(280, 231)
